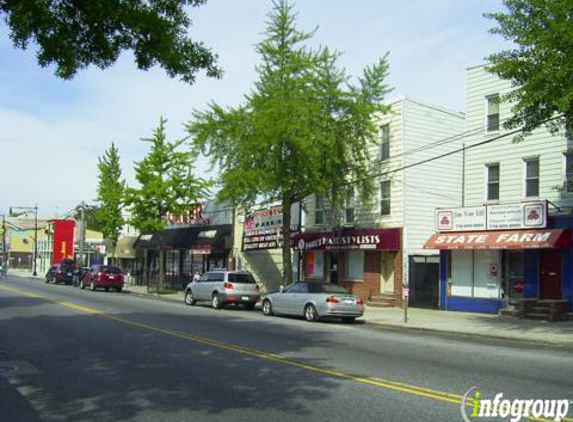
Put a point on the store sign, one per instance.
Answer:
(531, 215)
(263, 229)
(376, 239)
(192, 216)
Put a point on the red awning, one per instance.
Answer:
(510, 239)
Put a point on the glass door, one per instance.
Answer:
(514, 283)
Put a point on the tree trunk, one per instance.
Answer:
(287, 260)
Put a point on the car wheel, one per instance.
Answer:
(348, 320)
(47, 280)
(107, 289)
(82, 286)
(216, 301)
(189, 298)
(119, 289)
(267, 308)
(250, 306)
(310, 313)
(92, 286)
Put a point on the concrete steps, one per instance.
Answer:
(544, 310)
(382, 301)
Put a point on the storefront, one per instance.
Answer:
(182, 252)
(367, 262)
(486, 270)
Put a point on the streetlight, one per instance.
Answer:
(25, 210)
(4, 260)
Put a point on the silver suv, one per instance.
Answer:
(223, 287)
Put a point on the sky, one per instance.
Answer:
(53, 131)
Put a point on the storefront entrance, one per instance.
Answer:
(550, 274)
(513, 277)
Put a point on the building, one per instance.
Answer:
(509, 242)
(379, 247)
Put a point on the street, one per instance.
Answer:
(103, 356)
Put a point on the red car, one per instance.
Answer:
(103, 276)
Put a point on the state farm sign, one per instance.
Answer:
(493, 217)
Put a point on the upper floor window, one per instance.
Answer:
(492, 117)
(531, 177)
(385, 197)
(385, 142)
(492, 193)
(349, 209)
(319, 209)
(568, 172)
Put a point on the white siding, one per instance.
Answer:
(506, 152)
(434, 184)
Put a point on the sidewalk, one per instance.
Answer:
(424, 320)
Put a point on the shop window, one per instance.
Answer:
(531, 177)
(354, 268)
(384, 142)
(385, 197)
(492, 117)
(315, 264)
(492, 182)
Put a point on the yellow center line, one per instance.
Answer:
(377, 382)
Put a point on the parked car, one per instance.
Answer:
(62, 272)
(103, 277)
(223, 287)
(313, 301)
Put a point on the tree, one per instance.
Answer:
(540, 67)
(167, 185)
(74, 34)
(110, 195)
(303, 129)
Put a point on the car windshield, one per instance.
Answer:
(241, 278)
(326, 288)
(109, 269)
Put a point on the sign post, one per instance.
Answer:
(405, 297)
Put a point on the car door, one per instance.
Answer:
(198, 287)
(288, 298)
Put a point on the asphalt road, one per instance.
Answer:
(73, 355)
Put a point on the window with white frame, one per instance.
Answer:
(349, 208)
(385, 197)
(568, 172)
(354, 265)
(531, 177)
(319, 209)
(492, 188)
(492, 117)
(384, 142)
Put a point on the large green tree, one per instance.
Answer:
(540, 66)
(73, 34)
(110, 195)
(166, 183)
(303, 128)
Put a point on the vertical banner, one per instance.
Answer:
(63, 245)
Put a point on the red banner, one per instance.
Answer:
(63, 235)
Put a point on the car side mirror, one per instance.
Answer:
(281, 288)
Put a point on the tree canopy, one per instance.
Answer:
(167, 184)
(540, 67)
(110, 195)
(303, 129)
(74, 34)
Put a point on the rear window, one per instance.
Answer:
(109, 269)
(326, 288)
(241, 278)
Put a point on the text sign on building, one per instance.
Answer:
(263, 229)
(493, 217)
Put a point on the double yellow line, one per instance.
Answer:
(376, 382)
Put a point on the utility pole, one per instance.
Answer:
(82, 233)
(4, 258)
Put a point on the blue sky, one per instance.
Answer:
(52, 131)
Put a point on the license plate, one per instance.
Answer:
(111, 277)
(245, 298)
(69, 274)
(350, 302)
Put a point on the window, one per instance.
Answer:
(315, 264)
(568, 182)
(385, 197)
(319, 209)
(297, 288)
(492, 182)
(492, 118)
(349, 211)
(355, 265)
(531, 177)
(385, 142)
